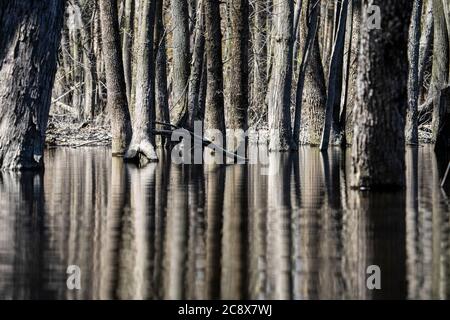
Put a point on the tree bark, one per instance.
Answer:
(412, 127)
(279, 94)
(378, 152)
(31, 33)
(181, 61)
(142, 145)
(215, 118)
(127, 44)
(115, 80)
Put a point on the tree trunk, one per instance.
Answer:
(31, 33)
(127, 44)
(425, 46)
(238, 109)
(142, 145)
(215, 119)
(181, 61)
(412, 128)
(115, 80)
(379, 116)
(440, 72)
(311, 91)
(279, 94)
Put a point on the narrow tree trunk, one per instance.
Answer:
(115, 80)
(181, 61)
(127, 44)
(30, 36)
(279, 94)
(379, 115)
(238, 108)
(412, 129)
(425, 46)
(215, 119)
(143, 142)
(334, 85)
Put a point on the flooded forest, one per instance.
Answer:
(233, 149)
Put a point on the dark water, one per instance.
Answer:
(201, 232)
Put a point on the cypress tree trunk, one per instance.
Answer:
(143, 142)
(30, 36)
(379, 116)
(181, 61)
(279, 94)
(115, 81)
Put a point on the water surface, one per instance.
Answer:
(212, 232)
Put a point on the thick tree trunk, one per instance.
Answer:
(181, 61)
(127, 44)
(379, 116)
(238, 109)
(143, 142)
(426, 41)
(115, 80)
(30, 36)
(311, 91)
(412, 129)
(215, 118)
(279, 94)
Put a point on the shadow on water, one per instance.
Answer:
(293, 230)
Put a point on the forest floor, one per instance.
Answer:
(65, 131)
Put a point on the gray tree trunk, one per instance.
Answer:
(378, 152)
(127, 44)
(412, 127)
(30, 36)
(115, 80)
(142, 144)
(181, 61)
(279, 93)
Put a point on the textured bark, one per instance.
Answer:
(260, 38)
(181, 61)
(238, 109)
(411, 129)
(279, 94)
(426, 41)
(143, 143)
(161, 94)
(335, 80)
(115, 81)
(30, 36)
(127, 43)
(440, 72)
(215, 118)
(353, 69)
(379, 116)
(195, 77)
(311, 99)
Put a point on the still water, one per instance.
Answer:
(212, 232)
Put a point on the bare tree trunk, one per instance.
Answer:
(127, 44)
(31, 33)
(425, 45)
(181, 61)
(279, 94)
(215, 118)
(238, 109)
(378, 157)
(115, 80)
(143, 142)
(412, 128)
(311, 91)
(334, 85)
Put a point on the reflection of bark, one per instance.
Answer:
(136, 248)
(215, 184)
(176, 235)
(279, 227)
(234, 243)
